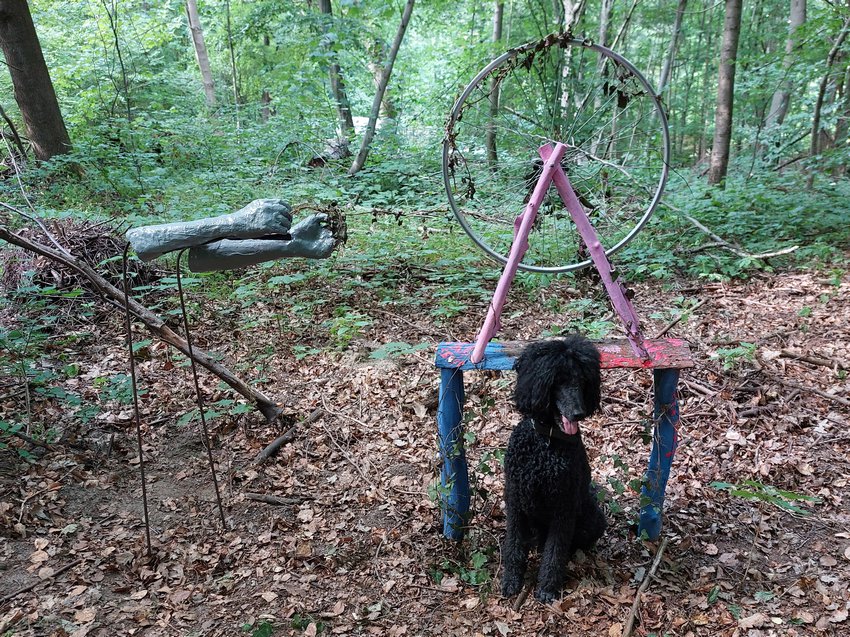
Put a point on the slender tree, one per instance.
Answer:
(201, 55)
(490, 135)
(725, 93)
(340, 97)
(816, 116)
(360, 160)
(31, 83)
(781, 98)
(667, 69)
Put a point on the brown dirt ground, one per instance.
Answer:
(356, 546)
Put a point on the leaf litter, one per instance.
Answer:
(355, 545)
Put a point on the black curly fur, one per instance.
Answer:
(548, 491)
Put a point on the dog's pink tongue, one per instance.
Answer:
(570, 428)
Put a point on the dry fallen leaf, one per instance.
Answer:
(827, 560)
(85, 615)
(753, 621)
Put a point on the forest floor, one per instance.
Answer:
(355, 544)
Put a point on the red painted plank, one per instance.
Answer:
(664, 353)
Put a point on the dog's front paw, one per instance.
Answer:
(511, 585)
(545, 595)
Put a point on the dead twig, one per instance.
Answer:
(28, 588)
(813, 390)
(286, 437)
(630, 623)
(676, 320)
(520, 600)
(275, 499)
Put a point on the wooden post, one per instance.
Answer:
(664, 442)
(454, 477)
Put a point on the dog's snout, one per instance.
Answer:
(570, 404)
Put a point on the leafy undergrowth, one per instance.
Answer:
(756, 511)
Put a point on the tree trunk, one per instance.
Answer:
(842, 126)
(667, 69)
(830, 60)
(201, 55)
(490, 134)
(572, 12)
(377, 54)
(605, 10)
(360, 160)
(781, 98)
(31, 83)
(725, 93)
(265, 110)
(340, 97)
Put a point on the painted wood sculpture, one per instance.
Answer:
(621, 173)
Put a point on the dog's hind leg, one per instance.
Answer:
(590, 525)
(553, 562)
(515, 552)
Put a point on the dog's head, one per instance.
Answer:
(558, 382)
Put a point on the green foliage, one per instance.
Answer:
(782, 499)
(732, 357)
(260, 629)
(397, 350)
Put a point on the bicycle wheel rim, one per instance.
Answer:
(505, 65)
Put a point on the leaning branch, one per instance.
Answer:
(630, 623)
(719, 241)
(156, 325)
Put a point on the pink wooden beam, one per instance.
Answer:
(624, 308)
(518, 248)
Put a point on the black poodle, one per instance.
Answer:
(548, 492)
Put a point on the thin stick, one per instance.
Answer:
(687, 312)
(520, 600)
(274, 499)
(135, 388)
(644, 585)
(200, 397)
(286, 437)
(790, 383)
(28, 588)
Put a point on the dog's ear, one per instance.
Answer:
(590, 360)
(535, 377)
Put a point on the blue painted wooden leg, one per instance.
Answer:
(664, 441)
(454, 495)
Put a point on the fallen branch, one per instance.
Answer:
(520, 600)
(28, 588)
(630, 623)
(285, 438)
(274, 499)
(719, 241)
(812, 360)
(157, 326)
(813, 390)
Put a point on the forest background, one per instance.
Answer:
(746, 257)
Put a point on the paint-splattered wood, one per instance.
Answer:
(665, 353)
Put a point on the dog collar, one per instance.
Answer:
(552, 432)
